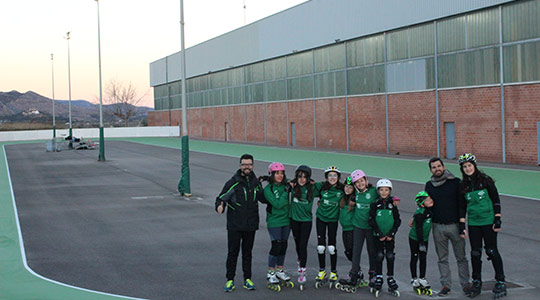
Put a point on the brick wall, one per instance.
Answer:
(475, 112)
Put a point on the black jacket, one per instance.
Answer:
(241, 195)
(445, 201)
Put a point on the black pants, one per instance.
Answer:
(301, 232)
(236, 239)
(382, 250)
(477, 234)
(321, 241)
(417, 255)
(348, 243)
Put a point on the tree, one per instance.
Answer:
(123, 99)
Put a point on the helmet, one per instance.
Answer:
(276, 166)
(303, 168)
(348, 181)
(357, 174)
(384, 183)
(332, 169)
(467, 157)
(421, 197)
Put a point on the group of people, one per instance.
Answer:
(367, 214)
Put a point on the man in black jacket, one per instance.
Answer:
(443, 188)
(240, 195)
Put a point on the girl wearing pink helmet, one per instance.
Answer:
(365, 195)
(276, 194)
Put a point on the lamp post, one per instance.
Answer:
(69, 85)
(184, 184)
(53, 112)
(101, 156)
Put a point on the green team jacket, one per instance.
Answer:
(301, 209)
(421, 224)
(328, 210)
(277, 212)
(479, 208)
(345, 218)
(384, 218)
(361, 209)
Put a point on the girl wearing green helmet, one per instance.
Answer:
(418, 242)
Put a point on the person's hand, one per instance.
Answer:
(352, 204)
(396, 201)
(388, 238)
(497, 224)
(422, 247)
(221, 208)
(411, 222)
(382, 239)
(462, 230)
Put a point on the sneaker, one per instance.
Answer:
(444, 291)
(229, 286)
(249, 285)
(467, 290)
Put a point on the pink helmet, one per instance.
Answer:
(276, 166)
(357, 174)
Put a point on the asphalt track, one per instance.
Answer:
(120, 227)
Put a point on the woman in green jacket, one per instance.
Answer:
(276, 194)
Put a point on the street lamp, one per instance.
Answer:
(53, 112)
(69, 85)
(184, 184)
(101, 156)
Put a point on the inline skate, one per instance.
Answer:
(272, 281)
(421, 286)
(284, 279)
(476, 288)
(321, 279)
(499, 290)
(333, 280)
(302, 278)
(392, 287)
(377, 286)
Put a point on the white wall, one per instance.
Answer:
(152, 131)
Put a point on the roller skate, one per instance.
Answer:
(333, 280)
(272, 281)
(302, 278)
(476, 288)
(350, 284)
(499, 290)
(321, 279)
(393, 287)
(424, 288)
(377, 286)
(284, 279)
(372, 277)
(416, 286)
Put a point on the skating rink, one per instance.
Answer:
(75, 228)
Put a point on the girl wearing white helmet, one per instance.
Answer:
(384, 219)
(276, 194)
(365, 195)
(329, 193)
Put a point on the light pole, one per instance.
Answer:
(53, 112)
(101, 156)
(69, 86)
(184, 184)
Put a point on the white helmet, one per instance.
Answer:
(384, 183)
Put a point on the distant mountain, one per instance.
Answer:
(32, 107)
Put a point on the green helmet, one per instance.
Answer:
(348, 181)
(421, 197)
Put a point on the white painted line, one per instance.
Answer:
(23, 252)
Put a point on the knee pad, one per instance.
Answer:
(476, 254)
(276, 248)
(492, 253)
(379, 256)
(283, 249)
(331, 249)
(320, 249)
(390, 256)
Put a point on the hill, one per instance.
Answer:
(30, 107)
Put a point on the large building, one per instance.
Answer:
(420, 77)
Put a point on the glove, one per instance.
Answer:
(263, 178)
(497, 222)
(461, 227)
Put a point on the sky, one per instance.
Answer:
(134, 33)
